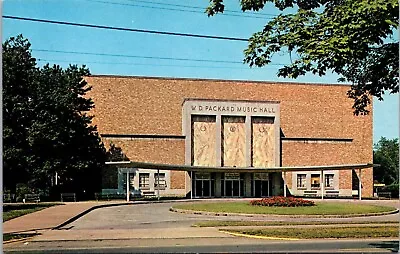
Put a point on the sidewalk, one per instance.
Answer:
(51, 217)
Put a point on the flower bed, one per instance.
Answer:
(282, 201)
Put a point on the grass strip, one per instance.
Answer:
(11, 211)
(311, 233)
(8, 237)
(279, 223)
(331, 208)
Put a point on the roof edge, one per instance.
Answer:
(147, 165)
(216, 80)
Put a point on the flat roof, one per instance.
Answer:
(217, 80)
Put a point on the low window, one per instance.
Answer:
(159, 184)
(329, 180)
(315, 181)
(301, 181)
(144, 180)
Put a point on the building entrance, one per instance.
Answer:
(203, 185)
(232, 185)
(261, 185)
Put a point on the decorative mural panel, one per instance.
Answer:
(263, 142)
(203, 141)
(233, 141)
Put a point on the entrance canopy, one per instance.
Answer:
(145, 165)
(156, 166)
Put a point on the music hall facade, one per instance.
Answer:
(232, 124)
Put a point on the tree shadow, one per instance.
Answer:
(392, 246)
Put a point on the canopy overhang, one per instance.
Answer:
(145, 165)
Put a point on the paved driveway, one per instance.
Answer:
(149, 225)
(157, 215)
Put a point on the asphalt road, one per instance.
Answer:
(150, 228)
(326, 246)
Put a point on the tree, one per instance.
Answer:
(351, 38)
(46, 126)
(386, 153)
(115, 153)
(19, 72)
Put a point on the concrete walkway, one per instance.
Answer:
(51, 217)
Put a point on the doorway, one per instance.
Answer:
(261, 186)
(203, 185)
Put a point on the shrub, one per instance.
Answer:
(282, 201)
(393, 189)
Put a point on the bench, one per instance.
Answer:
(8, 198)
(148, 193)
(109, 196)
(70, 196)
(332, 193)
(384, 194)
(31, 198)
(310, 193)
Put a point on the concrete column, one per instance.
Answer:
(284, 183)
(218, 184)
(120, 181)
(248, 141)
(158, 184)
(359, 184)
(322, 184)
(191, 184)
(218, 140)
(127, 186)
(247, 180)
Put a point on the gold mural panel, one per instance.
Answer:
(233, 141)
(203, 141)
(263, 142)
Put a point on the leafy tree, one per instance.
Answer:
(19, 72)
(351, 38)
(46, 126)
(386, 153)
(115, 153)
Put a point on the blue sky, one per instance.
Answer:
(167, 16)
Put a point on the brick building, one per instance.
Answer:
(224, 123)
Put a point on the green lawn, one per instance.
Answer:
(320, 232)
(279, 223)
(323, 208)
(11, 211)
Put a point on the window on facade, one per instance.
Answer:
(329, 180)
(301, 181)
(160, 181)
(144, 180)
(315, 181)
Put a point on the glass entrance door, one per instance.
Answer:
(261, 185)
(261, 188)
(232, 185)
(203, 185)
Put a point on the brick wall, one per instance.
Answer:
(167, 151)
(135, 105)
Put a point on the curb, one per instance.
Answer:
(74, 218)
(259, 237)
(280, 215)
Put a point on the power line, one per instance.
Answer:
(136, 56)
(145, 57)
(198, 7)
(174, 9)
(144, 64)
(125, 29)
